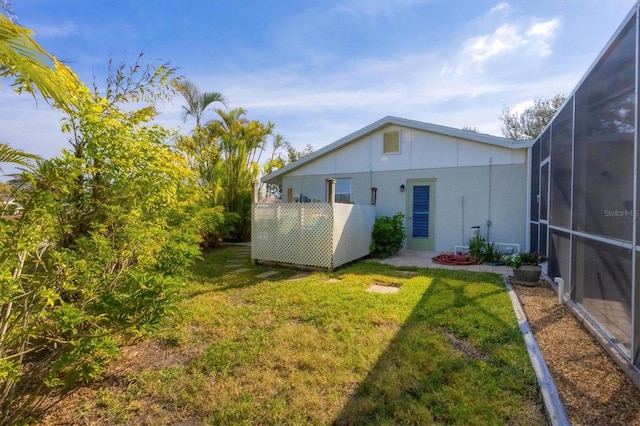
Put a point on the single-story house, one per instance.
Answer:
(445, 181)
(573, 193)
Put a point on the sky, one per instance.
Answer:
(322, 69)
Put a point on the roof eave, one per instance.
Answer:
(276, 176)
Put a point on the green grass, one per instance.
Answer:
(445, 349)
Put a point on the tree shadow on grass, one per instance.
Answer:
(458, 357)
(454, 360)
(214, 272)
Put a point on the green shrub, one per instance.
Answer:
(476, 247)
(532, 258)
(484, 251)
(490, 253)
(519, 259)
(88, 264)
(388, 236)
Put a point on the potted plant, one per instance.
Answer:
(526, 267)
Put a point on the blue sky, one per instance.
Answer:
(322, 69)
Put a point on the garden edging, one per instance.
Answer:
(552, 403)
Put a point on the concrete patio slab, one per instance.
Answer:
(423, 259)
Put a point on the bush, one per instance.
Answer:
(484, 251)
(517, 260)
(209, 223)
(476, 247)
(89, 264)
(490, 253)
(388, 236)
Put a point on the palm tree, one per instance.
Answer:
(197, 101)
(34, 71)
(15, 156)
(240, 142)
(31, 67)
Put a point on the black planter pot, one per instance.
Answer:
(527, 274)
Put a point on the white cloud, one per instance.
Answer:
(338, 100)
(481, 48)
(500, 7)
(519, 108)
(544, 29)
(319, 96)
(55, 31)
(30, 124)
(539, 34)
(507, 39)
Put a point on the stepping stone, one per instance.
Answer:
(298, 276)
(332, 280)
(240, 271)
(384, 289)
(267, 274)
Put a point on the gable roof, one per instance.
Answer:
(412, 124)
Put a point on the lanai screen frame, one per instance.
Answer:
(578, 252)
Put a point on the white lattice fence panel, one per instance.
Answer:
(352, 228)
(296, 233)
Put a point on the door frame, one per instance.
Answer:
(420, 243)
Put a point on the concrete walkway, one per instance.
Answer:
(422, 259)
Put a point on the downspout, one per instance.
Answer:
(489, 213)
(462, 207)
(527, 223)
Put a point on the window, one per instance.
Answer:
(343, 190)
(391, 142)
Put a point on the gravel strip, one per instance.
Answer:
(593, 389)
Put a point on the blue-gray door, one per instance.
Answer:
(420, 218)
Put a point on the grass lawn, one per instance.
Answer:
(321, 349)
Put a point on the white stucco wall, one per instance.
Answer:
(463, 198)
(418, 150)
(475, 182)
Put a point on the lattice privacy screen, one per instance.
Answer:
(352, 228)
(311, 234)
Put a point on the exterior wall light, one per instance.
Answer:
(402, 188)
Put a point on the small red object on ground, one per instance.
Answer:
(453, 259)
